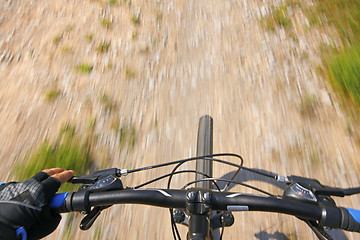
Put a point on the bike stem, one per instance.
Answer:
(198, 206)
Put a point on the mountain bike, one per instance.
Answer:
(205, 205)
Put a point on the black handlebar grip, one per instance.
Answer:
(71, 202)
(62, 209)
(350, 219)
(339, 217)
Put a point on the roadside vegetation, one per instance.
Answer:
(129, 73)
(106, 22)
(103, 47)
(52, 94)
(57, 38)
(84, 67)
(126, 132)
(308, 105)
(277, 18)
(69, 151)
(343, 65)
(135, 19)
(108, 102)
(344, 71)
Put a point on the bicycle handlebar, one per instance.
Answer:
(330, 216)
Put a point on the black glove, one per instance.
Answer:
(26, 204)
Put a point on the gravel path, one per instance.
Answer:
(182, 60)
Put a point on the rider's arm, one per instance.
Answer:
(24, 206)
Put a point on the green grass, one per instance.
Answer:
(103, 47)
(67, 49)
(134, 35)
(154, 42)
(344, 69)
(84, 68)
(144, 50)
(132, 137)
(308, 105)
(68, 152)
(158, 15)
(91, 124)
(70, 226)
(156, 123)
(342, 65)
(110, 65)
(108, 103)
(129, 73)
(90, 37)
(314, 157)
(344, 15)
(31, 52)
(268, 23)
(278, 18)
(96, 233)
(127, 136)
(127, 133)
(128, 2)
(112, 2)
(57, 38)
(106, 22)
(52, 94)
(312, 16)
(135, 19)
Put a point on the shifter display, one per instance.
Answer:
(298, 192)
(107, 184)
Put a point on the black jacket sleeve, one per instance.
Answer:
(7, 233)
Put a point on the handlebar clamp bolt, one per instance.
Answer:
(206, 196)
(190, 196)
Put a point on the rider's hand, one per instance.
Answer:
(26, 204)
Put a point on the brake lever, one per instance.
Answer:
(318, 230)
(103, 184)
(82, 180)
(90, 218)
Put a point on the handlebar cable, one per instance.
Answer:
(229, 181)
(174, 228)
(273, 176)
(179, 163)
(209, 158)
(186, 160)
(169, 174)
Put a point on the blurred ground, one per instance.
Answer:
(168, 63)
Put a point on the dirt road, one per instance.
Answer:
(166, 64)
